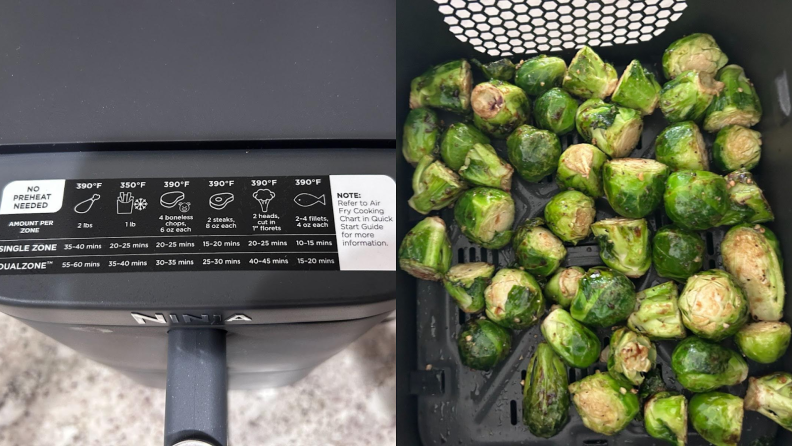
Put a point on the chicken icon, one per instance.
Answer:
(264, 196)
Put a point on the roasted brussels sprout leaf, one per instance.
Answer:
(630, 357)
(425, 252)
(738, 103)
(546, 393)
(539, 74)
(483, 344)
(657, 313)
(665, 417)
(637, 89)
(499, 107)
(713, 306)
(736, 147)
(701, 366)
(634, 186)
(435, 186)
(589, 77)
(483, 167)
(615, 130)
(485, 215)
(501, 69)
(457, 141)
(764, 342)
(421, 133)
(562, 287)
(555, 111)
(537, 249)
(624, 245)
(747, 203)
(514, 299)
(696, 199)
(569, 215)
(580, 169)
(534, 153)
(445, 86)
(677, 253)
(680, 146)
(466, 283)
(717, 417)
(698, 52)
(687, 97)
(771, 396)
(572, 341)
(604, 404)
(653, 384)
(605, 297)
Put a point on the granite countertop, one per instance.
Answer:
(52, 396)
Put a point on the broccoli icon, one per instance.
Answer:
(264, 196)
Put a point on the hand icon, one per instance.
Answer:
(124, 202)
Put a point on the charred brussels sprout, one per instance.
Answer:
(458, 139)
(637, 89)
(747, 202)
(764, 342)
(717, 417)
(445, 86)
(624, 245)
(572, 341)
(604, 404)
(514, 299)
(771, 396)
(615, 130)
(630, 356)
(701, 366)
(485, 215)
(562, 287)
(681, 147)
(697, 52)
(466, 283)
(546, 393)
(738, 103)
(736, 147)
(657, 314)
(499, 107)
(687, 97)
(589, 77)
(502, 69)
(483, 344)
(483, 167)
(555, 111)
(696, 199)
(539, 74)
(421, 132)
(713, 306)
(536, 249)
(666, 416)
(634, 186)
(580, 168)
(605, 297)
(425, 252)
(753, 256)
(569, 215)
(534, 153)
(653, 384)
(435, 186)
(677, 253)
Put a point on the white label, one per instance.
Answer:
(364, 208)
(32, 197)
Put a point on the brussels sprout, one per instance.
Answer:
(665, 417)
(483, 167)
(624, 245)
(534, 153)
(615, 130)
(589, 77)
(736, 147)
(485, 215)
(630, 356)
(712, 304)
(445, 86)
(747, 202)
(637, 89)
(569, 215)
(539, 74)
(483, 344)
(546, 393)
(701, 366)
(771, 396)
(657, 314)
(536, 249)
(605, 297)
(466, 283)
(653, 384)
(696, 199)
(562, 287)
(435, 186)
(764, 342)
(502, 69)
(555, 111)
(580, 168)
(738, 103)
(697, 52)
(681, 147)
(425, 252)
(634, 186)
(752, 254)
(499, 107)
(572, 341)
(514, 299)
(604, 404)
(421, 132)
(677, 253)
(687, 97)
(457, 141)
(717, 417)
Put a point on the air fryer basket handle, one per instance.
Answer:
(196, 407)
